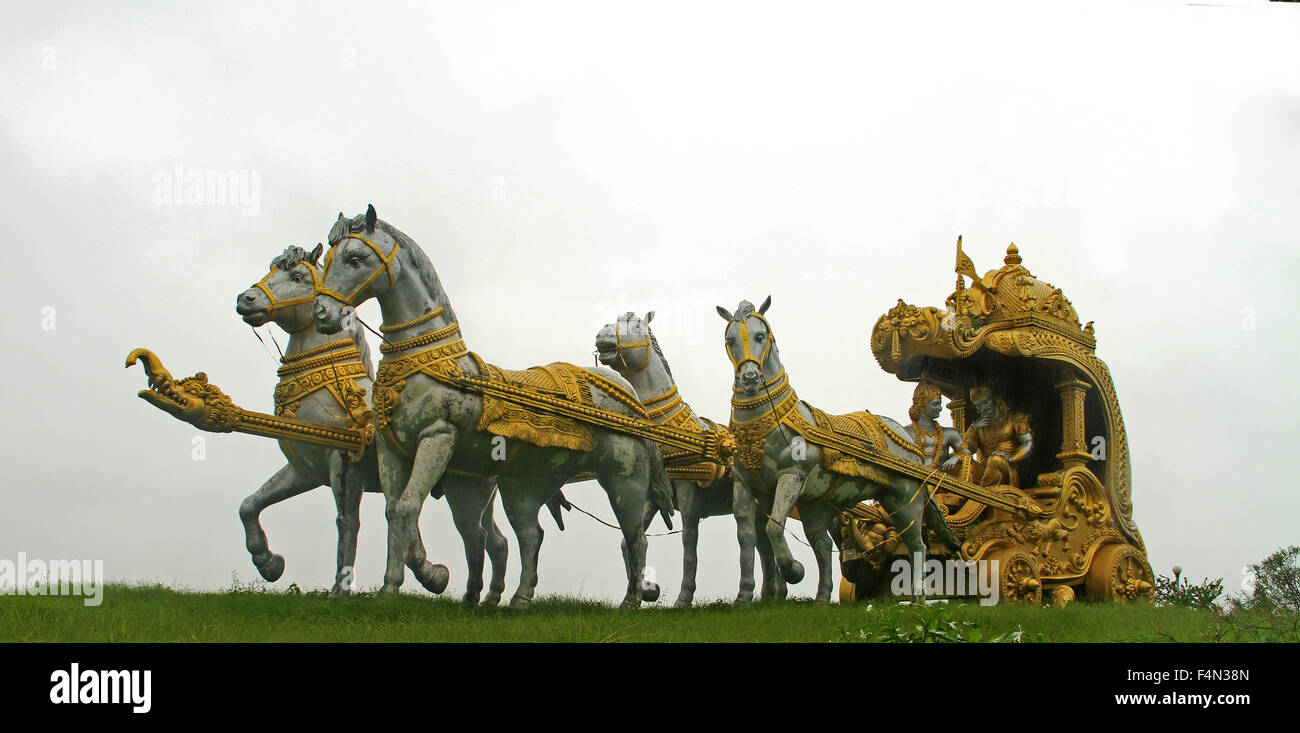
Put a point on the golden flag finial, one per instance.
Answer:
(964, 265)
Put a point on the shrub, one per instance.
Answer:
(1274, 583)
(1180, 592)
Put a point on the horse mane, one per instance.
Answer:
(743, 310)
(654, 343)
(292, 255)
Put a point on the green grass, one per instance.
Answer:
(160, 614)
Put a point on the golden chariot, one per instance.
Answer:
(1067, 528)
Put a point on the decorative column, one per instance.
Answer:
(958, 409)
(1074, 443)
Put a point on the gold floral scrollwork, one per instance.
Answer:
(387, 397)
(917, 324)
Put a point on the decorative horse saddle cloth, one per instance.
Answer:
(569, 382)
(860, 427)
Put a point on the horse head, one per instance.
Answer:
(751, 346)
(362, 263)
(286, 294)
(625, 345)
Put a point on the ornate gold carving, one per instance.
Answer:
(206, 407)
(872, 532)
(751, 435)
(1120, 572)
(1011, 312)
(533, 403)
(1018, 576)
(432, 337)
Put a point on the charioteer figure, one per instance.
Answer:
(935, 441)
(999, 437)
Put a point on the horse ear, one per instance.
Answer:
(726, 314)
(315, 253)
(649, 317)
(371, 218)
(766, 304)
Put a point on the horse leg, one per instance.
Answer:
(347, 484)
(788, 488)
(521, 500)
(650, 512)
(627, 497)
(394, 473)
(286, 483)
(906, 514)
(469, 498)
(818, 522)
(745, 509)
(688, 504)
(773, 584)
(432, 453)
(498, 551)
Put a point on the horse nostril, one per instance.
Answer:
(248, 297)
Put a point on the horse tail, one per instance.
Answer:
(661, 487)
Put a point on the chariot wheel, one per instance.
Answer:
(848, 591)
(1120, 572)
(1018, 580)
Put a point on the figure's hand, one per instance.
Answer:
(980, 423)
(1000, 453)
(952, 462)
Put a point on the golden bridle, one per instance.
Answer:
(277, 304)
(619, 345)
(744, 340)
(385, 265)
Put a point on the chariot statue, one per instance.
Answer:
(1036, 420)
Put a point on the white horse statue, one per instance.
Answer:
(326, 381)
(431, 430)
(783, 468)
(629, 347)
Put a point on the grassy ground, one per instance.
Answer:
(151, 614)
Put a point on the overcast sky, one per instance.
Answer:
(564, 163)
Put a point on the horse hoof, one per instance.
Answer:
(272, 569)
(339, 592)
(629, 605)
(390, 589)
(469, 599)
(742, 602)
(794, 572)
(491, 599)
(434, 578)
(823, 601)
(650, 592)
(519, 603)
(683, 603)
